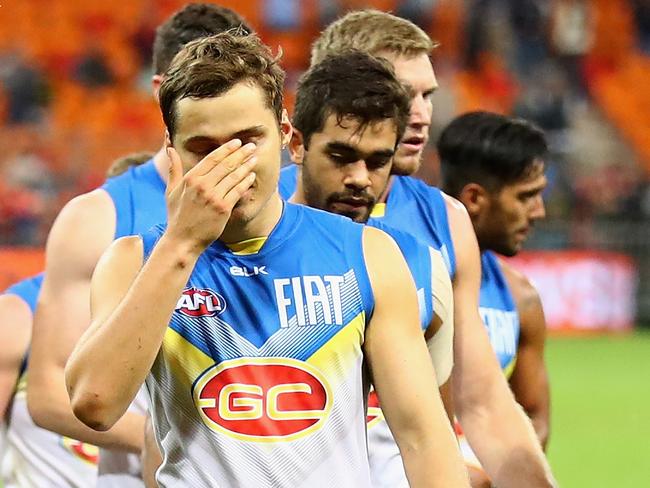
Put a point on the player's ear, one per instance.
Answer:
(297, 147)
(156, 80)
(474, 197)
(286, 129)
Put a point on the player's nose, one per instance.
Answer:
(357, 175)
(538, 210)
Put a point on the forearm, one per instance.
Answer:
(429, 462)
(503, 439)
(112, 360)
(540, 423)
(53, 412)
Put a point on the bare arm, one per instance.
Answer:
(151, 457)
(114, 356)
(529, 380)
(495, 426)
(15, 330)
(82, 231)
(402, 371)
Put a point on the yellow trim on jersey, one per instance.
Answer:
(510, 367)
(21, 384)
(185, 360)
(247, 247)
(377, 413)
(379, 210)
(352, 333)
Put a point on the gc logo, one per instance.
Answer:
(263, 399)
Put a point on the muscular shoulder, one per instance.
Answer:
(82, 231)
(13, 309)
(15, 326)
(455, 209)
(523, 291)
(529, 306)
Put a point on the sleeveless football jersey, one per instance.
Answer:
(35, 457)
(259, 379)
(412, 206)
(139, 198)
(498, 311)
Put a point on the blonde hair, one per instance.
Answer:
(374, 32)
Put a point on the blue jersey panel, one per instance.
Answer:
(418, 258)
(27, 289)
(288, 181)
(274, 289)
(498, 310)
(419, 209)
(139, 198)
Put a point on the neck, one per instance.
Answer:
(259, 226)
(384, 196)
(161, 162)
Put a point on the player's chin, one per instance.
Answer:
(406, 164)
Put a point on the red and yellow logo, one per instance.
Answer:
(81, 450)
(263, 399)
(374, 414)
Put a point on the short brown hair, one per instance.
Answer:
(351, 84)
(193, 21)
(210, 66)
(371, 31)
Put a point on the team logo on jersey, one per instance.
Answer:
(374, 414)
(199, 302)
(263, 399)
(81, 450)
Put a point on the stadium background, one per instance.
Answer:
(75, 94)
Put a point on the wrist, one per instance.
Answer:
(180, 252)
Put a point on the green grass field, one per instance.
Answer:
(600, 411)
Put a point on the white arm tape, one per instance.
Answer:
(441, 345)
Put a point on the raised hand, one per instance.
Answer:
(200, 202)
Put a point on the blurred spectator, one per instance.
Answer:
(282, 14)
(528, 21)
(92, 70)
(544, 98)
(572, 35)
(642, 20)
(419, 12)
(25, 88)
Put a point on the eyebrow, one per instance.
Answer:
(254, 131)
(343, 147)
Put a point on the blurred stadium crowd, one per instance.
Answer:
(75, 94)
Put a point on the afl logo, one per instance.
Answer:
(197, 302)
(263, 399)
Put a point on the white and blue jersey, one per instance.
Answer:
(498, 311)
(35, 457)
(138, 195)
(259, 378)
(412, 206)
